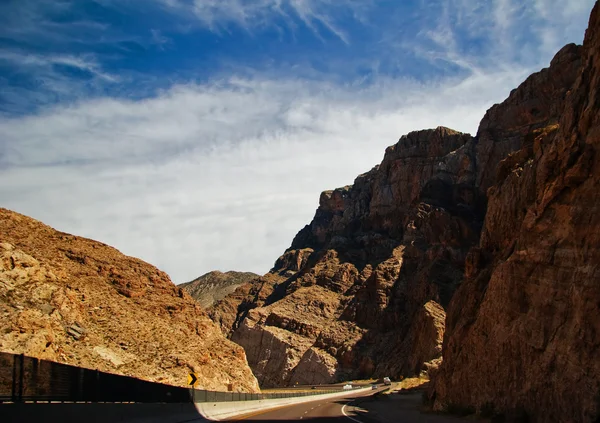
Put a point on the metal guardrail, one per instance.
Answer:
(25, 378)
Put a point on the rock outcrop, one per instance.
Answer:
(523, 330)
(363, 289)
(214, 286)
(77, 301)
(361, 284)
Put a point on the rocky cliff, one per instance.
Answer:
(363, 289)
(372, 272)
(523, 330)
(214, 286)
(80, 302)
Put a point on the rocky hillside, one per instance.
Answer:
(523, 330)
(77, 301)
(214, 286)
(363, 289)
(362, 283)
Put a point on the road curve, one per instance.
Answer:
(323, 410)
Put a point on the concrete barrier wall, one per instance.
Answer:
(224, 410)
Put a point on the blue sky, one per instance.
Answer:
(197, 135)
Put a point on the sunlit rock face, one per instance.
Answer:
(76, 301)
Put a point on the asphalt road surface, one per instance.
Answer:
(323, 410)
(338, 410)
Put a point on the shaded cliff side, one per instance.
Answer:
(363, 288)
(214, 286)
(77, 301)
(523, 330)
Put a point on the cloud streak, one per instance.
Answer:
(83, 63)
(217, 15)
(474, 35)
(221, 173)
(221, 176)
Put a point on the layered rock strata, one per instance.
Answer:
(362, 290)
(523, 330)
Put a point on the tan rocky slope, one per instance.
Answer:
(362, 290)
(523, 331)
(80, 302)
(214, 286)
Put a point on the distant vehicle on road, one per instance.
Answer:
(387, 381)
(347, 387)
(374, 386)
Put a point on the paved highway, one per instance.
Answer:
(338, 410)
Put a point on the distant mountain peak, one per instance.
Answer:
(215, 285)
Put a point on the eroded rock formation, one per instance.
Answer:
(523, 330)
(362, 290)
(77, 301)
(370, 274)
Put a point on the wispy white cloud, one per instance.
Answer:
(158, 39)
(28, 60)
(218, 176)
(476, 34)
(52, 78)
(318, 15)
(51, 49)
(223, 174)
(31, 22)
(560, 17)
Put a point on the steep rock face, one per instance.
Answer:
(425, 338)
(230, 311)
(348, 296)
(214, 286)
(80, 302)
(302, 330)
(387, 253)
(523, 333)
(536, 104)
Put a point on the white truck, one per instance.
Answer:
(387, 381)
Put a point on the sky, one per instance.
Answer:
(197, 135)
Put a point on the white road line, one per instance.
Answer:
(344, 412)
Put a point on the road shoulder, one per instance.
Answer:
(401, 406)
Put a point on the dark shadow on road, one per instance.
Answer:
(141, 413)
(339, 419)
(99, 413)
